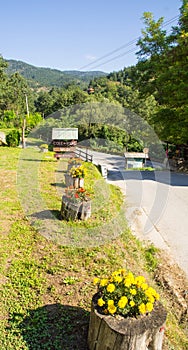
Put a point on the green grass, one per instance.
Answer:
(141, 169)
(46, 288)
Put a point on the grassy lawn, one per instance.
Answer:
(47, 265)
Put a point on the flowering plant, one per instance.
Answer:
(77, 195)
(44, 146)
(125, 295)
(77, 172)
(75, 161)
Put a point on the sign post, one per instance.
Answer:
(146, 151)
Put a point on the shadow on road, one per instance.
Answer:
(165, 177)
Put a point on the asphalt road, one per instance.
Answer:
(157, 205)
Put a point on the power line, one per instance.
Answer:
(130, 43)
(115, 58)
(110, 53)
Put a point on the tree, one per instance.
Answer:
(154, 40)
(32, 120)
(18, 89)
(163, 71)
(3, 84)
(8, 118)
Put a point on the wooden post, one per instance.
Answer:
(142, 333)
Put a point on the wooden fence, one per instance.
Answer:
(83, 154)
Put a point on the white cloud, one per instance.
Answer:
(90, 57)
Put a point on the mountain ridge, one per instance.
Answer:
(51, 77)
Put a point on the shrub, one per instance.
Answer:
(13, 138)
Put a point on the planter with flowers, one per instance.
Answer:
(126, 314)
(44, 147)
(74, 162)
(76, 204)
(78, 174)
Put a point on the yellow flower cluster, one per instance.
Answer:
(77, 172)
(124, 294)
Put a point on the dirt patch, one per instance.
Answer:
(175, 284)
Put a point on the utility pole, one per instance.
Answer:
(24, 122)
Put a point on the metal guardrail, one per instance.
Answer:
(83, 154)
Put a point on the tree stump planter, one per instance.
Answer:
(142, 333)
(70, 210)
(68, 180)
(73, 211)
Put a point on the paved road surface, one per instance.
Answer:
(157, 205)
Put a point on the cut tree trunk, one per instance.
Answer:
(70, 210)
(142, 333)
(76, 182)
(68, 180)
(85, 210)
(73, 211)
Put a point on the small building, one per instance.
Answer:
(90, 90)
(135, 159)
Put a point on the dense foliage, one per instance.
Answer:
(13, 138)
(155, 88)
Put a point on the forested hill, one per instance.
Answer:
(38, 76)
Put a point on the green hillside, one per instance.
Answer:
(39, 76)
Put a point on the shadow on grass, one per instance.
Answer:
(60, 184)
(53, 327)
(39, 160)
(47, 214)
(61, 171)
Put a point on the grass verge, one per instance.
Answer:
(46, 288)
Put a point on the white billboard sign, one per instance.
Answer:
(65, 134)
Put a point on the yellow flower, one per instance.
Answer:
(103, 282)
(144, 286)
(112, 309)
(149, 307)
(133, 291)
(100, 302)
(110, 302)
(132, 303)
(96, 280)
(115, 273)
(151, 293)
(151, 299)
(139, 280)
(122, 302)
(142, 308)
(110, 288)
(129, 279)
(118, 279)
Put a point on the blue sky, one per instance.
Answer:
(68, 35)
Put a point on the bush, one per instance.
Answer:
(13, 138)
